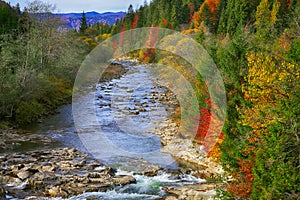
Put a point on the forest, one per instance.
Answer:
(38, 63)
(255, 44)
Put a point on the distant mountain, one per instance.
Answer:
(72, 20)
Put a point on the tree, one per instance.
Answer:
(9, 18)
(38, 65)
(83, 24)
(236, 15)
(129, 18)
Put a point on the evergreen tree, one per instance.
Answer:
(9, 18)
(236, 14)
(129, 18)
(83, 24)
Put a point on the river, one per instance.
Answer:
(128, 112)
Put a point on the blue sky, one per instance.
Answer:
(86, 5)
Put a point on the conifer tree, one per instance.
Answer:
(83, 24)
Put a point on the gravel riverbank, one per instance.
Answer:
(189, 155)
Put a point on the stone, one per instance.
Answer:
(24, 185)
(49, 168)
(196, 191)
(55, 192)
(135, 112)
(170, 198)
(23, 175)
(142, 110)
(123, 180)
(57, 173)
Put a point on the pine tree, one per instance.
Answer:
(236, 14)
(129, 18)
(83, 24)
(9, 18)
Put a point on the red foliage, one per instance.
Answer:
(288, 2)
(134, 23)
(204, 121)
(213, 5)
(192, 10)
(165, 22)
(203, 13)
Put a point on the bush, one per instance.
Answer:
(29, 112)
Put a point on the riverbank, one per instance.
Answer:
(76, 173)
(59, 172)
(189, 156)
(36, 165)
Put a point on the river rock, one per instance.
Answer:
(11, 139)
(61, 172)
(137, 166)
(201, 191)
(186, 153)
(23, 175)
(124, 180)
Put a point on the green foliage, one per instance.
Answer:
(9, 18)
(29, 112)
(294, 52)
(163, 13)
(236, 15)
(83, 24)
(276, 169)
(38, 66)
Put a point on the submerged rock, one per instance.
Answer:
(13, 140)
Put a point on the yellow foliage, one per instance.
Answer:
(264, 87)
(102, 37)
(274, 12)
(262, 12)
(87, 40)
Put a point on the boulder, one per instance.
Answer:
(123, 180)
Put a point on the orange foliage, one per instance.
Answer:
(215, 153)
(242, 184)
(165, 22)
(213, 6)
(196, 19)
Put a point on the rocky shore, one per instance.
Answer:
(188, 155)
(34, 166)
(59, 172)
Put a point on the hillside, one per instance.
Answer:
(72, 20)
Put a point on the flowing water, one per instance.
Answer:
(127, 112)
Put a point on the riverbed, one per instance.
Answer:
(129, 113)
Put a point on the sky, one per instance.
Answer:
(64, 6)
